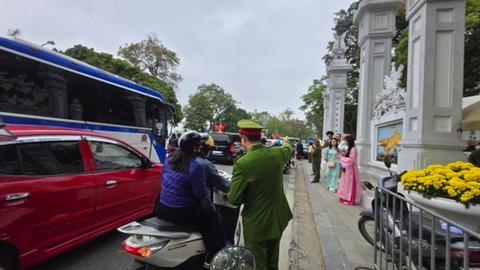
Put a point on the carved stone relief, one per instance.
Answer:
(392, 98)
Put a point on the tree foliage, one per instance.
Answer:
(209, 105)
(198, 112)
(124, 69)
(231, 117)
(260, 117)
(151, 55)
(286, 125)
(313, 104)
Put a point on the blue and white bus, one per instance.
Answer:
(43, 87)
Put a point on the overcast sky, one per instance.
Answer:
(264, 52)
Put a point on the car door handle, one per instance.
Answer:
(111, 182)
(17, 196)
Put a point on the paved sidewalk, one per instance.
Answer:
(287, 237)
(342, 245)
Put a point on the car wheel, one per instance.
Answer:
(9, 258)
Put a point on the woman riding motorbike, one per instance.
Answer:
(215, 181)
(184, 196)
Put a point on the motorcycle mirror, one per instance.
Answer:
(387, 162)
(233, 258)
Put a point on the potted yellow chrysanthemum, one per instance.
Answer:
(452, 191)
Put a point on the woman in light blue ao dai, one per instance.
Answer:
(333, 173)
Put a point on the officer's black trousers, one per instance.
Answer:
(203, 217)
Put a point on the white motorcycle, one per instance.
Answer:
(159, 244)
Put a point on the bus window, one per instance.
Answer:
(30, 87)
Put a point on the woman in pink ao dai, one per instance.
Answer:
(349, 190)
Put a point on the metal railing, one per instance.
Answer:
(410, 236)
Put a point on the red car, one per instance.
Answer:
(61, 187)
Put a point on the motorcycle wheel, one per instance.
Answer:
(366, 226)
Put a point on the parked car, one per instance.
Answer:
(227, 147)
(61, 187)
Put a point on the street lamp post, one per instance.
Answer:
(221, 113)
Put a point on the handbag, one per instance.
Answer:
(331, 164)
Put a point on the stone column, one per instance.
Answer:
(337, 72)
(435, 83)
(326, 112)
(376, 22)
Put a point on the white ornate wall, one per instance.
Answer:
(376, 22)
(435, 83)
(337, 72)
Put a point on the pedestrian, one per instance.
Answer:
(323, 163)
(329, 135)
(257, 183)
(316, 160)
(349, 191)
(299, 150)
(309, 151)
(333, 165)
(338, 136)
(184, 195)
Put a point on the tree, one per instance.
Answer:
(151, 55)
(124, 69)
(198, 112)
(286, 125)
(208, 106)
(231, 117)
(260, 117)
(313, 104)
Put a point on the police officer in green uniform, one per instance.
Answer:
(257, 182)
(316, 159)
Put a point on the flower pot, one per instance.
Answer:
(453, 210)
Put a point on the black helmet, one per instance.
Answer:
(207, 140)
(188, 141)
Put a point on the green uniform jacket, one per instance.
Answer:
(257, 182)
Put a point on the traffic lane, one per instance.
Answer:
(224, 167)
(103, 253)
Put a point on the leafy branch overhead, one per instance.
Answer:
(152, 56)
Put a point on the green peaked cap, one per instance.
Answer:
(248, 124)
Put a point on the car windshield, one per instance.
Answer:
(219, 137)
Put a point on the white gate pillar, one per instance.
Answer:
(326, 112)
(376, 22)
(435, 83)
(337, 72)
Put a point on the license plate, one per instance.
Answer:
(217, 153)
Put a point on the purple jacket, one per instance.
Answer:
(181, 189)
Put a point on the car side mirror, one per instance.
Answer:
(147, 163)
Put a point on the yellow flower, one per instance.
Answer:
(459, 180)
(451, 192)
(466, 197)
